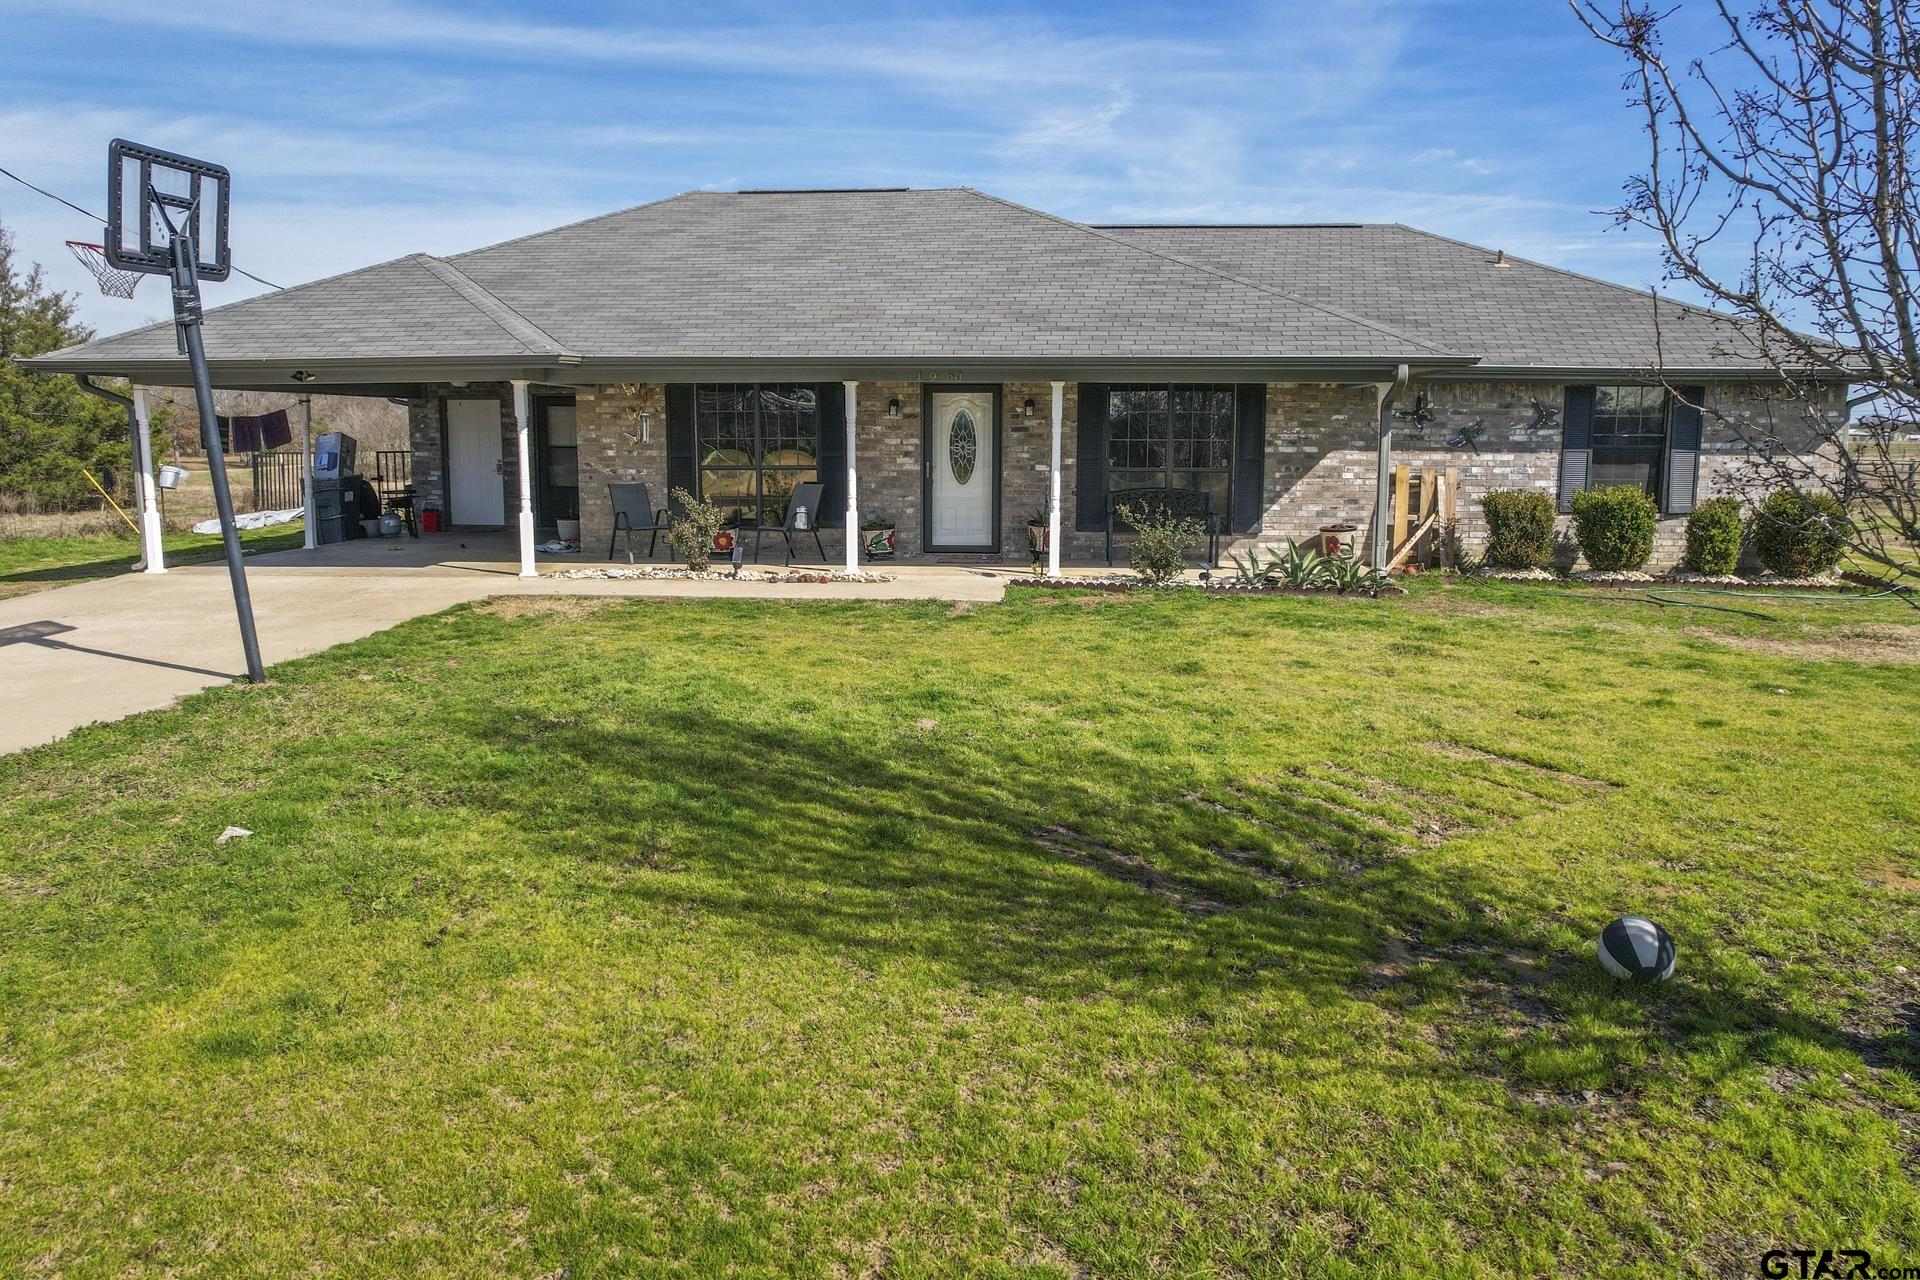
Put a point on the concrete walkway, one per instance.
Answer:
(106, 649)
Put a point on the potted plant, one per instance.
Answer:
(876, 537)
(1037, 538)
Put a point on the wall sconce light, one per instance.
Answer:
(1026, 410)
(893, 407)
(645, 434)
(301, 375)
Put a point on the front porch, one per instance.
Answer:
(496, 554)
(958, 469)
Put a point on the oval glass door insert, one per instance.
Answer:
(963, 447)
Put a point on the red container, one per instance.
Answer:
(430, 520)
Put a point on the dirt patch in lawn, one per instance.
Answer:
(1128, 868)
(546, 606)
(1868, 642)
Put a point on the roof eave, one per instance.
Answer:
(1638, 373)
(279, 370)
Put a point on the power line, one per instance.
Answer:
(88, 213)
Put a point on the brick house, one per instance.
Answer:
(947, 357)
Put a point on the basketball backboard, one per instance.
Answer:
(148, 189)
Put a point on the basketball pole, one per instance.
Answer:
(186, 318)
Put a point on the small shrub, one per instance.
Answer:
(691, 529)
(1159, 550)
(1799, 535)
(1713, 536)
(1519, 528)
(1614, 527)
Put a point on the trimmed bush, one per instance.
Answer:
(1519, 528)
(1713, 537)
(1161, 541)
(1799, 535)
(690, 530)
(1614, 527)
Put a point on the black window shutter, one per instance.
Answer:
(1090, 460)
(831, 460)
(1683, 451)
(680, 444)
(1249, 456)
(1576, 444)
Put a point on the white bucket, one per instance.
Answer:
(171, 476)
(568, 530)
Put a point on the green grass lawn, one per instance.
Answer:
(37, 563)
(1104, 936)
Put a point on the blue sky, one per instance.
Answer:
(364, 129)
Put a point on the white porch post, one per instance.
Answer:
(1383, 468)
(522, 419)
(1053, 484)
(152, 557)
(306, 464)
(853, 480)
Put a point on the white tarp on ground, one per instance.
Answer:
(253, 520)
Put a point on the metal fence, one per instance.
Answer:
(276, 481)
(392, 472)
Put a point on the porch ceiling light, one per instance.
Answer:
(303, 375)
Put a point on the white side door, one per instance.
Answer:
(476, 492)
(963, 471)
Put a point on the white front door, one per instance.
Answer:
(476, 494)
(963, 471)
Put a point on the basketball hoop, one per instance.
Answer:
(114, 282)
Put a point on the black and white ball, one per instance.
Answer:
(1635, 947)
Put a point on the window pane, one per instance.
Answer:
(560, 425)
(723, 420)
(1118, 480)
(1137, 428)
(1629, 437)
(731, 491)
(1212, 483)
(776, 490)
(1202, 427)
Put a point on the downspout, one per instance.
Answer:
(1383, 480)
(152, 558)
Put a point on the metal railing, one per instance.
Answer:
(276, 481)
(392, 472)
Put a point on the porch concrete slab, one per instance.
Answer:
(109, 648)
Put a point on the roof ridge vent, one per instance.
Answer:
(808, 191)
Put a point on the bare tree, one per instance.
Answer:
(1780, 184)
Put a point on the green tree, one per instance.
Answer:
(49, 427)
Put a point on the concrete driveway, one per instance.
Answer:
(106, 649)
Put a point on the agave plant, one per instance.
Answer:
(1298, 566)
(1345, 573)
(1247, 570)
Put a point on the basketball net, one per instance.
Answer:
(114, 282)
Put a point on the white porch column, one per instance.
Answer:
(1383, 467)
(1053, 484)
(306, 464)
(152, 557)
(523, 430)
(853, 480)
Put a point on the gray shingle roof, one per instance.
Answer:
(405, 308)
(905, 275)
(893, 273)
(1513, 314)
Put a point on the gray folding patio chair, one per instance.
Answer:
(805, 497)
(633, 513)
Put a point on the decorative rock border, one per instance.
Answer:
(680, 573)
(1678, 578)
